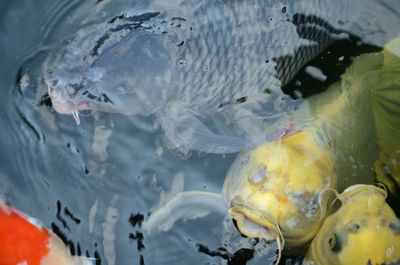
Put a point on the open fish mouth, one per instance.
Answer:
(255, 224)
(64, 101)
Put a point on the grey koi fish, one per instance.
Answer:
(210, 71)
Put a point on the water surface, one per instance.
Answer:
(93, 183)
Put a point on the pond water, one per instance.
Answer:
(92, 184)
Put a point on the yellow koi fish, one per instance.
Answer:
(364, 230)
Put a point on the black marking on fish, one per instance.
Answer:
(267, 91)
(313, 21)
(178, 18)
(241, 100)
(311, 28)
(115, 18)
(45, 100)
(99, 43)
(128, 26)
(222, 105)
(77, 87)
(133, 22)
(330, 45)
(91, 96)
(327, 61)
(106, 99)
(143, 17)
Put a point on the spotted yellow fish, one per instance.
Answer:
(364, 230)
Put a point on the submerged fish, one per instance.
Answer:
(23, 240)
(280, 190)
(193, 63)
(364, 230)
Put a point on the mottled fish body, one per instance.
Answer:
(189, 59)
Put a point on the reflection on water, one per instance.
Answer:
(93, 184)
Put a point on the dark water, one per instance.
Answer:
(94, 183)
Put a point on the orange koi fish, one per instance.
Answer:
(25, 241)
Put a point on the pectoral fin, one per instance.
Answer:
(186, 132)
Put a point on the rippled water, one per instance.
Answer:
(93, 183)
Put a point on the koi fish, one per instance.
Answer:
(192, 63)
(364, 230)
(24, 240)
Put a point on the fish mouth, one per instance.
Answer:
(253, 223)
(62, 102)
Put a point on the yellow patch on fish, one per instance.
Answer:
(364, 229)
(280, 184)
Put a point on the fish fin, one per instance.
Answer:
(186, 132)
(383, 83)
(184, 205)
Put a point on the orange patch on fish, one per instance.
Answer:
(20, 240)
(282, 199)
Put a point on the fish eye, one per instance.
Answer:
(334, 243)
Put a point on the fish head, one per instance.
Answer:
(133, 77)
(364, 230)
(64, 89)
(280, 187)
(74, 89)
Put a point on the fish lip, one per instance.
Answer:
(62, 102)
(254, 223)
